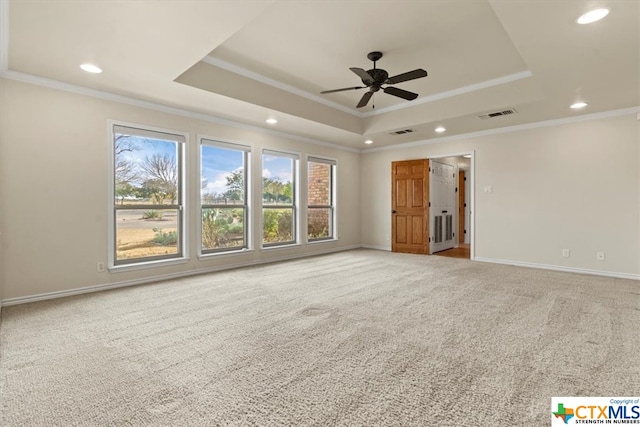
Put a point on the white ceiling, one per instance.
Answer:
(250, 60)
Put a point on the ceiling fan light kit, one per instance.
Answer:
(375, 78)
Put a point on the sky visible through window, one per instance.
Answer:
(218, 163)
(136, 149)
(277, 168)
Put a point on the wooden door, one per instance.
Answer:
(410, 206)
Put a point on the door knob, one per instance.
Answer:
(393, 212)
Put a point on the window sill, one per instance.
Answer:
(283, 246)
(224, 254)
(315, 242)
(147, 264)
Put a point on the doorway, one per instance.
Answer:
(463, 196)
(416, 227)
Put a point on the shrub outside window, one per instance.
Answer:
(279, 204)
(223, 196)
(148, 195)
(320, 198)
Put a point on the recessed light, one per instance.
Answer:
(90, 68)
(272, 121)
(592, 16)
(440, 129)
(578, 105)
(368, 142)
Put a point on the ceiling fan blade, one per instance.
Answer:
(364, 100)
(344, 88)
(364, 76)
(400, 93)
(409, 75)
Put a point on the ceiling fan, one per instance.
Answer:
(376, 77)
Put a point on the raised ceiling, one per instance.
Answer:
(248, 61)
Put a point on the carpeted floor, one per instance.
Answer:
(359, 338)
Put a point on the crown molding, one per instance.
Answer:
(455, 92)
(54, 84)
(108, 96)
(509, 129)
(81, 90)
(312, 97)
(279, 85)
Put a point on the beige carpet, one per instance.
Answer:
(360, 338)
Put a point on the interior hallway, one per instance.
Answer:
(462, 251)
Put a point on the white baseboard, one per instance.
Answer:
(560, 268)
(379, 248)
(151, 279)
(158, 278)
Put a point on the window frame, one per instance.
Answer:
(294, 206)
(247, 150)
(332, 198)
(182, 248)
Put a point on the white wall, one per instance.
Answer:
(54, 174)
(574, 186)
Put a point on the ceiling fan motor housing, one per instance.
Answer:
(378, 75)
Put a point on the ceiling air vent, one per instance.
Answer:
(497, 114)
(401, 132)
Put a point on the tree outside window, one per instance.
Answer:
(223, 196)
(147, 195)
(278, 198)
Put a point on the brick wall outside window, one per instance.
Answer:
(319, 193)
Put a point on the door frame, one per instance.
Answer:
(471, 176)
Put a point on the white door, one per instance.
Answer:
(467, 209)
(442, 206)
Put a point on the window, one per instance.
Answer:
(279, 198)
(147, 195)
(223, 196)
(320, 198)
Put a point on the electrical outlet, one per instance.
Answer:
(100, 267)
(600, 256)
(566, 253)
